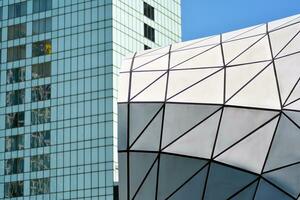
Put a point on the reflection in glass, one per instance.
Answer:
(14, 120)
(16, 53)
(17, 10)
(14, 143)
(13, 189)
(15, 75)
(40, 162)
(41, 26)
(41, 93)
(40, 116)
(41, 48)
(40, 139)
(14, 166)
(39, 186)
(17, 31)
(149, 32)
(41, 5)
(15, 97)
(41, 70)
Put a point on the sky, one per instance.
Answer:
(202, 18)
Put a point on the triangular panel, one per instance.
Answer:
(267, 191)
(251, 152)
(209, 90)
(238, 76)
(284, 146)
(224, 181)
(141, 81)
(209, 58)
(193, 189)
(287, 178)
(199, 141)
(180, 80)
(258, 52)
(280, 38)
(185, 116)
(233, 49)
(148, 189)
(247, 193)
(295, 95)
(150, 139)
(288, 73)
(140, 164)
(174, 171)
(141, 114)
(260, 92)
(183, 57)
(294, 116)
(236, 123)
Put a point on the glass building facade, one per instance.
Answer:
(58, 90)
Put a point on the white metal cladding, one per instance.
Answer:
(213, 118)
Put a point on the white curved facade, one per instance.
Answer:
(213, 118)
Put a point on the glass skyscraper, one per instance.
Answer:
(58, 90)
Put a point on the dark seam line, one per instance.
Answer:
(194, 56)
(256, 188)
(271, 143)
(144, 129)
(282, 26)
(194, 84)
(212, 152)
(278, 188)
(185, 182)
(274, 67)
(291, 40)
(282, 167)
(256, 27)
(186, 132)
(162, 123)
(246, 49)
(241, 190)
(149, 61)
(148, 85)
(224, 65)
(246, 136)
(144, 179)
(248, 82)
(287, 55)
(128, 128)
(284, 104)
(292, 102)
(291, 120)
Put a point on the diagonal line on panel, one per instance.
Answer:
(244, 188)
(282, 167)
(246, 49)
(195, 83)
(186, 132)
(292, 102)
(148, 124)
(284, 104)
(246, 136)
(195, 56)
(291, 40)
(144, 179)
(148, 85)
(248, 82)
(291, 120)
(150, 62)
(278, 188)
